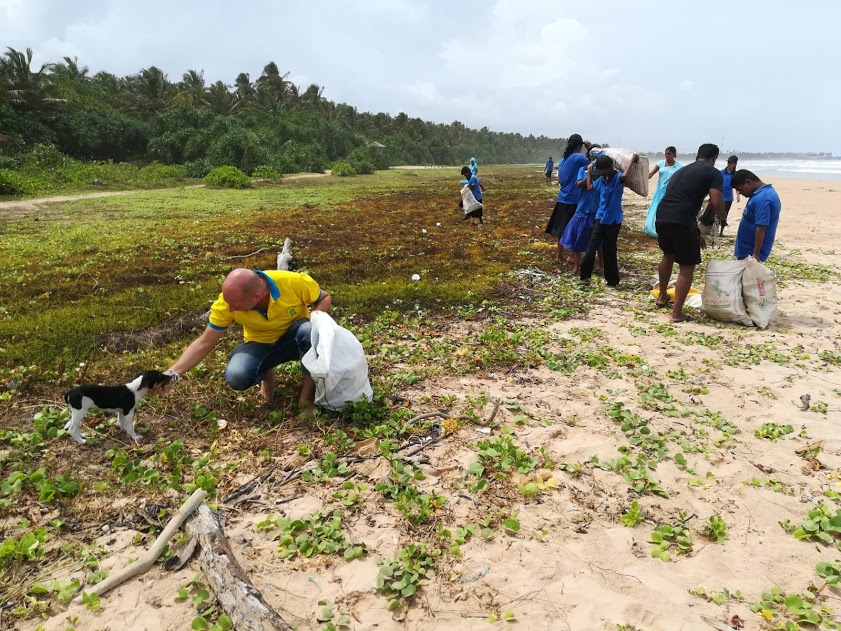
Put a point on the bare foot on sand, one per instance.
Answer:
(266, 394)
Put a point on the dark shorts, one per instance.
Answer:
(679, 240)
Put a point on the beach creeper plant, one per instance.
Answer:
(400, 578)
(667, 539)
(317, 533)
(821, 526)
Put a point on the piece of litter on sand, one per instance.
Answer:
(473, 579)
(312, 580)
(804, 400)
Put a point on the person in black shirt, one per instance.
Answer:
(677, 224)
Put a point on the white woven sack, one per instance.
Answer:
(759, 290)
(722, 296)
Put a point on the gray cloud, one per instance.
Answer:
(756, 73)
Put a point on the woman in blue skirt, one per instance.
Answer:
(577, 234)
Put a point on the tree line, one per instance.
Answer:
(268, 121)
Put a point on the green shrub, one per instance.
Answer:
(266, 172)
(197, 168)
(11, 183)
(343, 169)
(45, 156)
(363, 167)
(227, 177)
(157, 172)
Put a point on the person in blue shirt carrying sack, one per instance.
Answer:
(610, 186)
(758, 226)
(550, 166)
(473, 184)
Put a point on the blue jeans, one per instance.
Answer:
(249, 361)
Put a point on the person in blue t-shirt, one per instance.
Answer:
(610, 186)
(577, 235)
(569, 194)
(550, 166)
(758, 226)
(473, 184)
(708, 218)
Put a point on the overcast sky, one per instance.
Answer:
(762, 75)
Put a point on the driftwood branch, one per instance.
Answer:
(143, 564)
(244, 256)
(285, 256)
(237, 596)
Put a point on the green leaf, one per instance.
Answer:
(199, 624)
(794, 603)
(511, 524)
(476, 469)
(508, 616)
(408, 590)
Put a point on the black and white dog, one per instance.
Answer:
(120, 399)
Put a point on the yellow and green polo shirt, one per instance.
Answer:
(290, 294)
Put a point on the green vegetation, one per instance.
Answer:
(317, 533)
(227, 177)
(670, 538)
(261, 127)
(400, 578)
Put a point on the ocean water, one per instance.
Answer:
(793, 169)
(829, 170)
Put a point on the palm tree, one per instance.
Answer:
(244, 90)
(70, 70)
(273, 90)
(151, 90)
(220, 100)
(21, 86)
(191, 89)
(311, 98)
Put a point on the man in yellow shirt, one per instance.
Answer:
(273, 309)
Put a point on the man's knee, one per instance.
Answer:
(239, 374)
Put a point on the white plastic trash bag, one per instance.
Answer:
(469, 202)
(722, 296)
(336, 363)
(759, 290)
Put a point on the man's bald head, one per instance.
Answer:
(243, 289)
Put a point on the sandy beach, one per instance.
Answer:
(574, 565)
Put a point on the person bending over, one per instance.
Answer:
(273, 308)
(758, 226)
